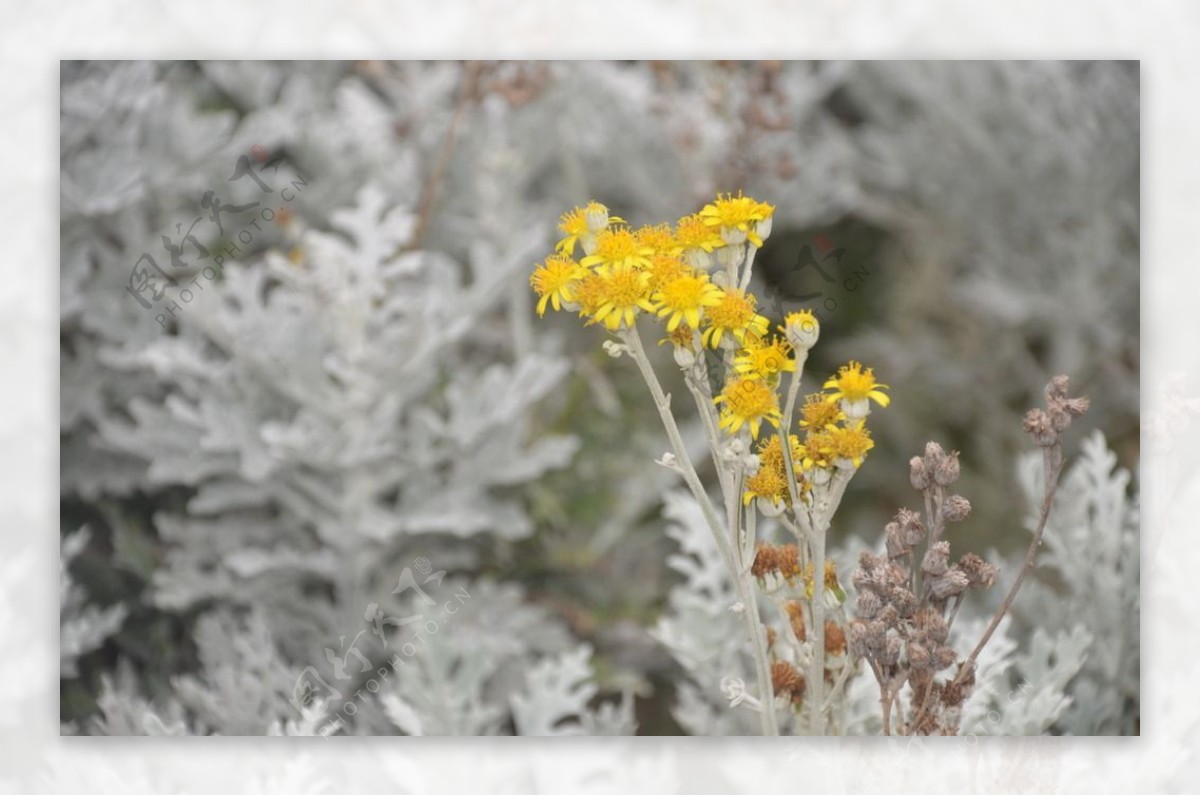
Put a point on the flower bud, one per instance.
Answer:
(802, 330)
(763, 228)
(596, 216)
(684, 357)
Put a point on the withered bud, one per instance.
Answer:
(1057, 387)
(910, 525)
(944, 657)
(835, 638)
(957, 508)
(890, 655)
(876, 635)
(889, 615)
(946, 473)
(933, 625)
(949, 584)
(904, 601)
(786, 680)
(917, 474)
(771, 635)
(795, 612)
(918, 656)
(895, 540)
(782, 559)
(933, 456)
(980, 574)
(937, 558)
(1038, 425)
(856, 641)
(869, 604)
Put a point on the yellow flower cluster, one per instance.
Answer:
(611, 273)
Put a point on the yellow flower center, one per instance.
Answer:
(664, 269)
(750, 398)
(850, 442)
(817, 413)
(556, 274)
(624, 287)
(616, 246)
(692, 233)
(590, 294)
(658, 237)
(734, 312)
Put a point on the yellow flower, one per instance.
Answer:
(747, 401)
(764, 360)
(623, 291)
(734, 315)
(573, 225)
(554, 281)
(684, 298)
(816, 450)
(855, 384)
(850, 442)
(737, 218)
(770, 482)
(589, 293)
(665, 268)
(818, 412)
(658, 238)
(692, 233)
(617, 247)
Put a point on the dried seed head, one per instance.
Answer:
(957, 508)
(937, 558)
(895, 540)
(949, 584)
(980, 574)
(910, 524)
(933, 456)
(1039, 426)
(917, 474)
(946, 473)
(890, 655)
(933, 625)
(856, 641)
(904, 601)
(869, 604)
(944, 657)
(918, 656)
